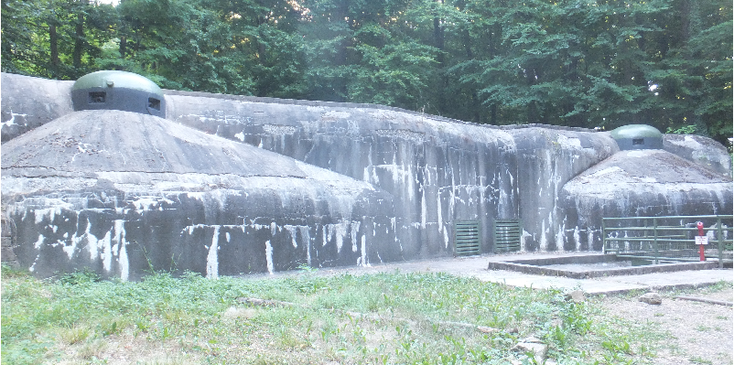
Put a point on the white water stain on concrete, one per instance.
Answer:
(269, 257)
(364, 260)
(104, 246)
(306, 236)
(354, 229)
(292, 230)
(11, 122)
(212, 259)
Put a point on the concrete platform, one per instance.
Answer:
(476, 266)
(594, 265)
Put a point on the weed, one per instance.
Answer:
(75, 334)
(719, 286)
(645, 350)
(92, 351)
(11, 272)
(699, 360)
(85, 276)
(559, 337)
(614, 346)
(307, 268)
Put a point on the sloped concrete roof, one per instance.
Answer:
(137, 152)
(109, 140)
(647, 167)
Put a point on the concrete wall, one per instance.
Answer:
(29, 102)
(124, 193)
(440, 170)
(135, 234)
(700, 150)
(548, 159)
(432, 172)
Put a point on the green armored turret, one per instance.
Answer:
(118, 90)
(638, 137)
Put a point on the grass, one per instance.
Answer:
(698, 360)
(394, 318)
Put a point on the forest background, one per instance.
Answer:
(584, 63)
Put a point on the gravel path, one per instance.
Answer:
(699, 333)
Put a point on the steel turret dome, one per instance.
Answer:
(118, 90)
(638, 137)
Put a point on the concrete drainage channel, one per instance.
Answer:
(595, 265)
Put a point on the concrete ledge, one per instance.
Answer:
(536, 267)
(569, 259)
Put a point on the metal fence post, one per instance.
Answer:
(603, 236)
(720, 241)
(655, 239)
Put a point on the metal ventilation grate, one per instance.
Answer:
(507, 235)
(466, 238)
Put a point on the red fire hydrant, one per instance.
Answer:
(701, 241)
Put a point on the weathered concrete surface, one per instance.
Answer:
(29, 102)
(125, 192)
(114, 141)
(547, 159)
(701, 150)
(640, 183)
(577, 270)
(430, 171)
(7, 233)
(441, 171)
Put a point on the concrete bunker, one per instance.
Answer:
(353, 183)
(140, 191)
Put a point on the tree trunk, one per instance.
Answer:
(438, 42)
(123, 46)
(438, 38)
(340, 84)
(263, 88)
(78, 42)
(122, 32)
(685, 14)
(54, 48)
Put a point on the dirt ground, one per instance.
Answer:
(700, 333)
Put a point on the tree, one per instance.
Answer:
(570, 63)
(51, 38)
(693, 80)
(581, 63)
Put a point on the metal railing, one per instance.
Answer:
(668, 238)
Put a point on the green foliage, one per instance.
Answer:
(10, 272)
(381, 318)
(579, 63)
(687, 129)
(85, 276)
